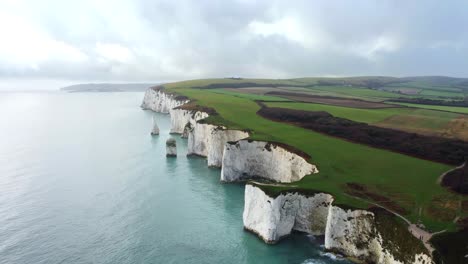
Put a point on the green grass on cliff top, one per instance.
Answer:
(410, 182)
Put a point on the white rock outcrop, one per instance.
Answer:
(353, 233)
(245, 159)
(171, 148)
(155, 130)
(182, 119)
(274, 218)
(209, 140)
(157, 100)
(203, 139)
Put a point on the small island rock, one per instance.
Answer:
(171, 148)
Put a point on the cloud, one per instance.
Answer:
(142, 40)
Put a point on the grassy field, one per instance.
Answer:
(360, 92)
(408, 181)
(423, 121)
(441, 93)
(454, 109)
(357, 114)
(249, 95)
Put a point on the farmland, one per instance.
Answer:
(423, 121)
(408, 182)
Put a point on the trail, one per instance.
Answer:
(416, 231)
(441, 177)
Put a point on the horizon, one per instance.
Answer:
(57, 85)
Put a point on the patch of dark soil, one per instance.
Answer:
(290, 149)
(465, 206)
(463, 222)
(458, 103)
(457, 180)
(442, 150)
(195, 107)
(361, 191)
(451, 247)
(331, 100)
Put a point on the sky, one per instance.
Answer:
(56, 42)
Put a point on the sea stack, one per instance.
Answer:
(155, 130)
(171, 148)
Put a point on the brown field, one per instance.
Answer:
(410, 91)
(429, 125)
(457, 128)
(330, 100)
(254, 90)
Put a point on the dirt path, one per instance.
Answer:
(416, 231)
(441, 177)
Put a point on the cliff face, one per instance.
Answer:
(354, 233)
(203, 139)
(273, 218)
(159, 101)
(246, 159)
(209, 140)
(182, 120)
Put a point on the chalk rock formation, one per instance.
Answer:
(203, 139)
(157, 100)
(354, 233)
(273, 218)
(244, 160)
(183, 120)
(155, 130)
(208, 141)
(171, 148)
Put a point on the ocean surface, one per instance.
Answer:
(82, 181)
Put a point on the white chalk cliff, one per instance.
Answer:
(353, 233)
(350, 232)
(209, 141)
(182, 119)
(246, 159)
(203, 139)
(157, 100)
(274, 218)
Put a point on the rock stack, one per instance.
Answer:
(171, 148)
(155, 130)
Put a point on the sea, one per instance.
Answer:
(83, 181)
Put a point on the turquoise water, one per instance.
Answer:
(82, 181)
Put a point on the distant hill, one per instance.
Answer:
(108, 87)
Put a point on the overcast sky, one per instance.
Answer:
(156, 40)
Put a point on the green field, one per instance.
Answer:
(356, 114)
(408, 181)
(441, 93)
(454, 109)
(359, 92)
(250, 96)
